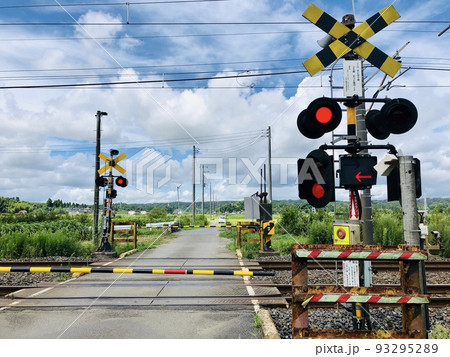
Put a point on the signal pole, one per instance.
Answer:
(97, 167)
(193, 184)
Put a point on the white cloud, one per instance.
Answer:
(154, 115)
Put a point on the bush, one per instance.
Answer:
(388, 229)
(294, 221)
(321, 232)
(440, 221)
(201, 220)
(157, 214)
(42, 243)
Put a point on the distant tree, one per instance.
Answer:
(157, 214)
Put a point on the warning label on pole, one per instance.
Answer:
(350, 272)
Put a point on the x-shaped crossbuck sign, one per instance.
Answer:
(355, 40)
(112, 164)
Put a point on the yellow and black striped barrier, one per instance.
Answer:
(211, 226)
(89, 270)
(200, 226)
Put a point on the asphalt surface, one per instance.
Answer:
(150, 306)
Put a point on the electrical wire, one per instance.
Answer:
(109, 4)
(247, 136)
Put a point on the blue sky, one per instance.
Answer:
(214, 74)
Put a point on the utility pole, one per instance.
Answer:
(408, 200)
(202, 172)
(210, 203)
(178, 204)
(270, 163)
(193, 184)
(97, 167)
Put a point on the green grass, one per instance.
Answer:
(280, 242)
(147, 241)
(440, 332)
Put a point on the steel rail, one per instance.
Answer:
(325, 264)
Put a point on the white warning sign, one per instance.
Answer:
(350, 272)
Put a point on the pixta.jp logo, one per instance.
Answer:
(148, 169)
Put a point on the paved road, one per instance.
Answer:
(142, 306)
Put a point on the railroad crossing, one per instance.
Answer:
(144, 305)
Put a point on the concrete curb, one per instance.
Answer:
(125, 254)
(268, 327)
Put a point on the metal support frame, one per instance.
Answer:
(133, 231)
(410, 295)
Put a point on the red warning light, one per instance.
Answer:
(318, 191)
(324, 115)
(121, 181)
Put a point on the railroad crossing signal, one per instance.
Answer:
(322, 116)
(112, 163)
(393, 182)
(347, 40)
(397, 116)
(316, 178)
(121, 181)
(357, 172)
(101, 181)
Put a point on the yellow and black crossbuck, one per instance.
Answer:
(355, 40)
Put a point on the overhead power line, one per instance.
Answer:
(109, 4)
(191, 23)
(100, 84)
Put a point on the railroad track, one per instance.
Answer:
(285, 289)
(435, 290)
(35, 263)
(327, 264)
(255, 265)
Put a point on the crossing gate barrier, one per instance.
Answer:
(409, 295)
(126, 228)
(247, 227)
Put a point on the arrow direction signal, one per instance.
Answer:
(357, 172)
(358, 176)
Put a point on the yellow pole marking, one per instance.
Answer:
(40, 269)
(351, 115)
(80, 270)
(122, 270)
(5, 269)
(243, 273)
(203, 272)
(158, 271)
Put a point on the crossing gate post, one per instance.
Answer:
(409, 295)
(131, 228)
(248, 227)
